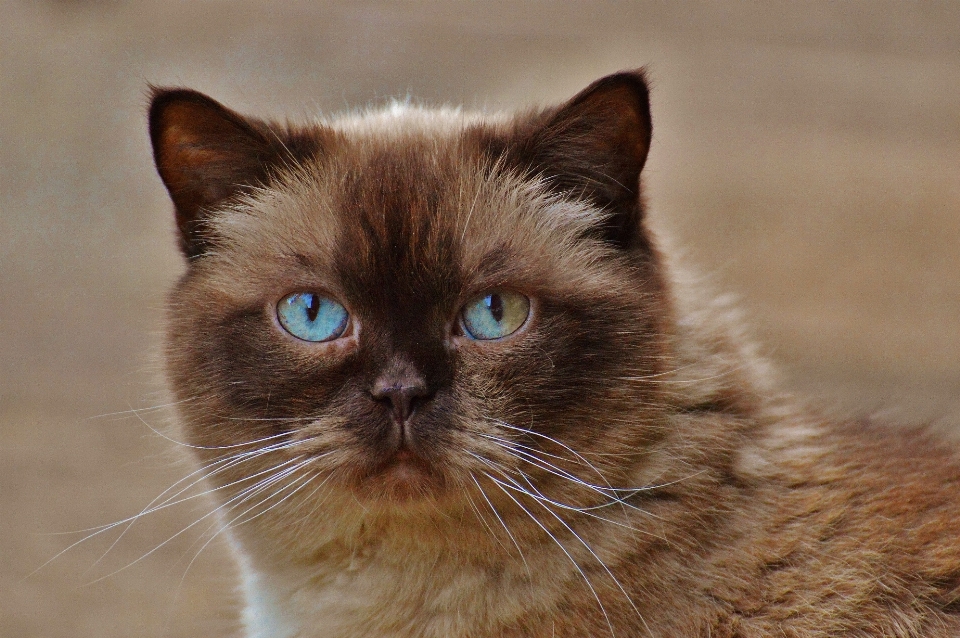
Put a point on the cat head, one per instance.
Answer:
(407, 305)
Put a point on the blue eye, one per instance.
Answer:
(494, 315)
(312, 317)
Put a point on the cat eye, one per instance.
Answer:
(494, 315)
(312, 317)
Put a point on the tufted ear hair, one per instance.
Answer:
(594, 147)
(207, 154)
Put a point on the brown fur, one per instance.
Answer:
(751, 517)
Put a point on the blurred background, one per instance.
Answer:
(807, 155)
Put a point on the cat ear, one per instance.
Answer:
(206, 154)
(595, 146)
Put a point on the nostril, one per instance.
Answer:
(403, 397)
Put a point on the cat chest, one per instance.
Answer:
(402, 599)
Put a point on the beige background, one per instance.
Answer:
(808, 154)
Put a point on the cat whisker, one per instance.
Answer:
(171, 500)
(232, 523)
(247, 478)
(502, 523)
(244, 494)
(544, 500)
(203, 447)
(303, 482)
(225, 464)
(539, 496)
(566, 552)
(274, 419)
(152, 408)
(527, 447)
(577, 456)
(186, 570)
(250, 492)
(541, 435)
(304, 518)
(615, 494)
(528, 454)
(587, 546)
(575, 480)
(554, 470)
(481, 518)
(533, 452)
(230, 461)
(100, 529)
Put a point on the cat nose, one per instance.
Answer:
(403, 394)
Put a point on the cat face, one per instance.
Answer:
(406, 305)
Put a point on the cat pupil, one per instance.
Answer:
(314, 308)
(495, 305)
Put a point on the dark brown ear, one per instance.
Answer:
(207, 154)
(594, 147)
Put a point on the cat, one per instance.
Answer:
(445, 381)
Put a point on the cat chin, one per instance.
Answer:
(404, 479)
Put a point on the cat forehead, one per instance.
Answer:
(406, 190)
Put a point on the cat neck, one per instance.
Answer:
(372, 589)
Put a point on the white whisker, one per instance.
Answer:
(596, 596)
(503, 523)
(595, 556)
(539, 496)
(132, 410)
(259, 486)
(232, 523)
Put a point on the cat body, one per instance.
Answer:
(445, 382)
